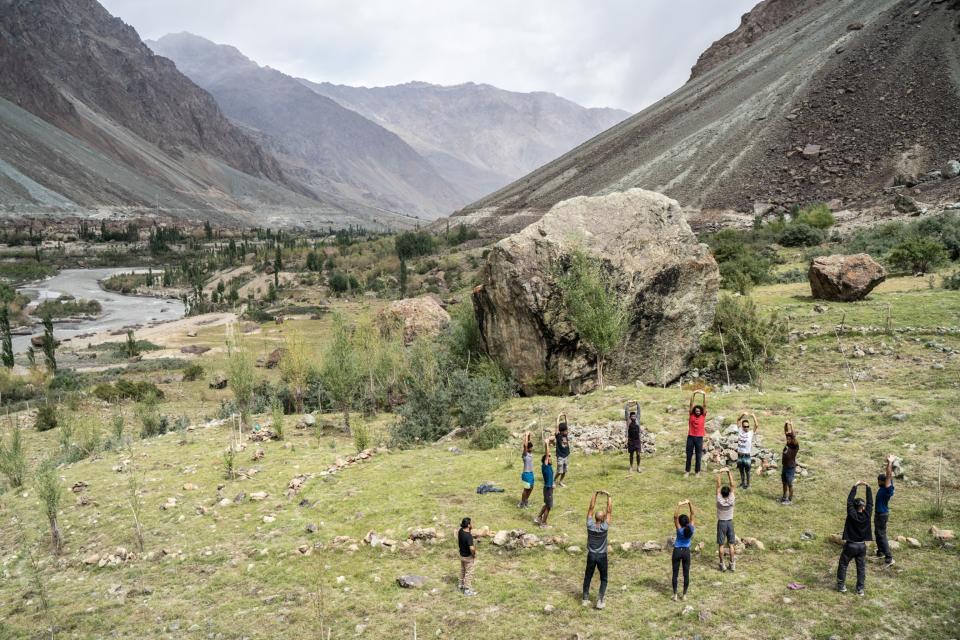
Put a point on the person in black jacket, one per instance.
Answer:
(856, 535)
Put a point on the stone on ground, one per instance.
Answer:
(844, 278)
(423, 316)
(411, 581)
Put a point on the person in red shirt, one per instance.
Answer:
(696, 430)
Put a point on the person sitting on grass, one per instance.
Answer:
(562, 441)
(684, 527)
(856, 534)
(468, 556)
(696, 430)
(725, 534)
(745, 447)
(633, 439)
(526, 477)
(884, 493)
(546, 469)
(788, 463)
(598, 524)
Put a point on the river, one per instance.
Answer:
(118, 310)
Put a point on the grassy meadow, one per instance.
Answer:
(237, 571)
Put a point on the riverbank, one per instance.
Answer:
(119, 311)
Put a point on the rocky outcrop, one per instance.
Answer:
(668, 279)
(414, 317)
(766, 17)
(844, 278)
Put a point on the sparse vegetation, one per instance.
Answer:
(593, 306)
(67, 308)
(13, 459)
(50, 491)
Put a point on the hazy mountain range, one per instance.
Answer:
(93, 122)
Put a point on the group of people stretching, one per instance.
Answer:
(856, 532)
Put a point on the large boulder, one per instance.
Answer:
(844, 278)
(669, 280)
(414, 317)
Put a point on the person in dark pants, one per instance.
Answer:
(685, 528)
(598, 524)
(546, 469)
(562, 440)
(884, 493)
(633, 439)
(696, 429)
(856, 535)
(468, 556)
(788, 463)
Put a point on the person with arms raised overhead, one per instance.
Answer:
(788, 463)
(856, 535)
(546, 469)
(745, 447)
(725, 534)
(526, 476)
(598, 524)
(468, 556)
(884, 493)
(684, 527)
(562, 441)
(696, 430)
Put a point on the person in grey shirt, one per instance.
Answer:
(725, 533)
(598, 524)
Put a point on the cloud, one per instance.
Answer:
(618, 53)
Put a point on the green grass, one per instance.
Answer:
(230, 573)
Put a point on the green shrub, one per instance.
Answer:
(124, 389)
(801, 235)
(66, 380)
(361, 437)
(46, 417)
(63, 308)
(411, 244)
(952, 281)
(817, 216)
(751, 338)
(79, 441)
(193, 372)
(153, 423)
(489, 436)
(917, 254)
(341, 283)
(13, 460)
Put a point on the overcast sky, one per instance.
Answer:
(600, 53)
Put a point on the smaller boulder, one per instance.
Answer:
(219, 381)
(941, 534)
(844, 278)
(414, 317)
(411, 582)
(950, 170)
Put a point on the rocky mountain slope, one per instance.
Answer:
(836, 102)
(477, 136)
(91, 121)
(328, 147)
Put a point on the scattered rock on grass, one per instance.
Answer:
(411, 581)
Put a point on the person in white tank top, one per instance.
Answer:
(745, 447)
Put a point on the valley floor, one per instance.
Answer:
(239, 571)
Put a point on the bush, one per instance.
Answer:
(361, 437)
(79, 442)
(65, 308)
(952, 281)
(13, 460)
(750, 338)
(153, 423)
(341, 283)
(489, 436)
(193, 372)
(917, 254)
(46, 417)
(66, 380)
(411, 244)
(124, 389)
(801, 235)
(477, 395)
(817, 216)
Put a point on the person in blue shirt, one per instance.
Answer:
(882, 513)
(546, 469)
(685, 528)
